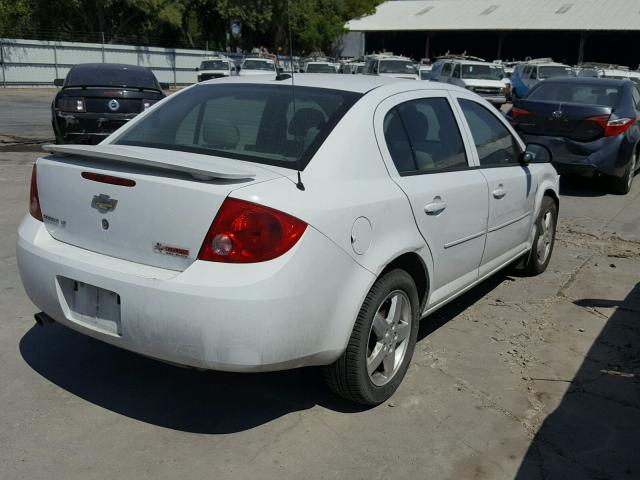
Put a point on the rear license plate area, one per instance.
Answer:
(91, 306)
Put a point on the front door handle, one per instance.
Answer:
(436, 207)
(499, 192)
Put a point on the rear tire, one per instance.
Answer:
(381, 344)
(622, 185)
(544, 239)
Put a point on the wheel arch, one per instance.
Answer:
(413, 264)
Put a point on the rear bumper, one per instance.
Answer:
(607, 155)
(88, 127)
(289, 312)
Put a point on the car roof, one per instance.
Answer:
(613, 82)
(349, 83)
(110, 66)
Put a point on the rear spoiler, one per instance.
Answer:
(200, 167)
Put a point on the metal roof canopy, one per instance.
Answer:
(503, 15)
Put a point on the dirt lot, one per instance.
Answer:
(528, 378)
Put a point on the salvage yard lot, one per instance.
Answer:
(520, 378)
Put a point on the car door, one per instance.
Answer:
(426, 155)
(512, 185)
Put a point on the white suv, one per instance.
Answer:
(485, 79)
(390, 66)
(225, 228)
(215, 67)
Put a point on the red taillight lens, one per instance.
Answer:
(34, 200)
(520, 112)
(610, 126)
(244, 232)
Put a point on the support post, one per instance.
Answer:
(174, 68)
(102, 36)
(500, 42)
(583, 39)
(427, 46)
(4, 78)
(55, 60)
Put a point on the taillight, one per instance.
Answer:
(520, 112)
(610, 126)
(71, 104)
(244, 232)
(34, 200)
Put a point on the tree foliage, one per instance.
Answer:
(314, 24)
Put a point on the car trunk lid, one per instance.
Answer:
(549, 118)
(135, 207)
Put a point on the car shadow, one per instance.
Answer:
(577, 186)
(186, 399)
(169, 396)
(595, 430)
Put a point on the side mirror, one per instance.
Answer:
(58, 82)
(197, 69)
(536, 153)
(164, 86)
(280, 69)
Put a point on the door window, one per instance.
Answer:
(494, 143)
(636, 97)
(423, 137)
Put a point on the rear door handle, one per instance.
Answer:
(436, 207)
(499, 192)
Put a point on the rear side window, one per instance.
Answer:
(423, 137)
(589, 94)
(99, 75)
(257, 123)
(494, 143)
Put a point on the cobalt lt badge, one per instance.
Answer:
(113, 105)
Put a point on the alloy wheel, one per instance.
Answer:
(389, 337)
(545, 237)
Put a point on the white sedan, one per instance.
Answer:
(237, 226)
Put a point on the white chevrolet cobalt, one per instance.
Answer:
(245, 224)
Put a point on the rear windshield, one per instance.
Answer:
(257, 123)
(258, 65)
(482, 72)
(214, 65)
(320, 68)
(555, 71)
(101, 76)
(589, 94)
(397, 66)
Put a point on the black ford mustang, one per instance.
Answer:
(98, 98)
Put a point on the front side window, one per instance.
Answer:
(494, 143)
(256, 123)
(446, 69)
(423, 137)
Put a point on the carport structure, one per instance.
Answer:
(572, 31)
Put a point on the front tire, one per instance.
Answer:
(381, 344)
(545, 237)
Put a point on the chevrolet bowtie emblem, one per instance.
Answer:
(104, 203)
